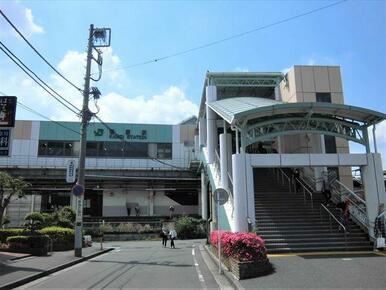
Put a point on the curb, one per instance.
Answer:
(228, 275)
(33, 277)
(18, 258)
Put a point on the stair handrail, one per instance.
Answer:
(322, 206)
(283, 174)
(357, 204)
(305, 189)
(217, 163)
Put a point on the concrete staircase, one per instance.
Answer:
(288, 224)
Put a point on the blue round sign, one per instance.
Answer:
(78, 190)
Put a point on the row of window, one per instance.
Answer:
(106, 149)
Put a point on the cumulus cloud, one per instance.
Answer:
(169, 107)
(21, 17)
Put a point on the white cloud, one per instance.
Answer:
(33, 27)
(241, 69)
(21, 17)
(170, 107)
(315, 59)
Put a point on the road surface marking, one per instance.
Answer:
(199, 274)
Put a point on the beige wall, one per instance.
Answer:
(302, 84)
(22, 130)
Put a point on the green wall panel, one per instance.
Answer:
(98, 132)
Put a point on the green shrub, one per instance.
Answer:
(190, 228)
(36, 241)
(65, 223)
(5, 233)
(49, 219)
(62, 238)
(67, 213)
(34, 221)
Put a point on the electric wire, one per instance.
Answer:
(26, 67)
(238, 35)
(29, 109)
(44, 88)
(37, 52)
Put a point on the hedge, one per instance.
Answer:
(39, 241)
(62, 238)
(190, 228)
(5, 233)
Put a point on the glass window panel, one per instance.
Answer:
(68, 148)
(323, 97)
(92, 149)
(43, 145)
(164, 150)
(330, 144)
(55, 148)
(136, 150)
(112, 149)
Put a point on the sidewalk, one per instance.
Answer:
(359, 270)
(14, 273)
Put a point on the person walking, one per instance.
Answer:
(164, 235)
(173, 236)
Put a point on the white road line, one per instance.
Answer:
(200, 276)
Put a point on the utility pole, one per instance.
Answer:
(95, 35)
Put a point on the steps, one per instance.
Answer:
(288, 223)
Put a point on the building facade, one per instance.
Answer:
(131, 169)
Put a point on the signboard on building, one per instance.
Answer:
(5, 135)
(71, 171)
(7, 111)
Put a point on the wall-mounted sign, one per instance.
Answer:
(7, 111)
(128, 134)
(5, 135)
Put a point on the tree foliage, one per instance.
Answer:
(10, 187)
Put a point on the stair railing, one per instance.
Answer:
(305, 190)
(357, 207)
(331, 217)
(284, 176)
(217, 164)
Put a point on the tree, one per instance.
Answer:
(9, 187)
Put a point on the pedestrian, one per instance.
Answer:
(164, 235)
(173, 236)
(136, 210)
(345, 207)
(295, 177)
(171, 210)
(327, 195)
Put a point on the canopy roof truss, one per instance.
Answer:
(291, 125)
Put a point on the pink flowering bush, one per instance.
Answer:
(240, 246)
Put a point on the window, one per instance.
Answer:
(92, 149)
(111, 149)
(164, 150)
(136, 150)
(323, 97)
(43, 145)
(330, 144)
(55, 148)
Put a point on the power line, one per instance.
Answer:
(45, 60)
(25, 107)
(259, 28)
(25, 66)
(25, 71)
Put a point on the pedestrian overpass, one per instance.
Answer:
(227, 126)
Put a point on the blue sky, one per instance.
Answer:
(351, 34)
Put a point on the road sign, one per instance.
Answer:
(71, 171)
(78, 190)
(79, 209)
(221, 196)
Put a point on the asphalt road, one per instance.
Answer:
(138, 265)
